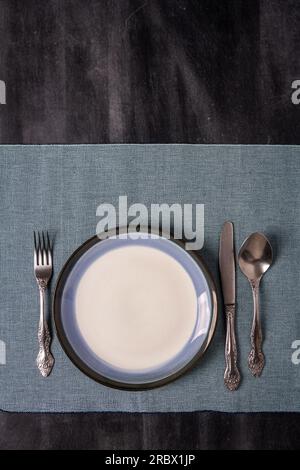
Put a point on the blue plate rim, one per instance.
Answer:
(62, 336)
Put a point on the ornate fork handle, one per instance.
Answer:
(232, 376)
(256, 358)
(44, 358)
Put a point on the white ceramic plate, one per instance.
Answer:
(134, 311)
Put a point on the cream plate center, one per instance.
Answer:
(136, 307)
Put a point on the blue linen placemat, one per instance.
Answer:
(59, 188)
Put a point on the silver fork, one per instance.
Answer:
(43, 272)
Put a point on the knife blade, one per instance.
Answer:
(227, 263)
(227, 271)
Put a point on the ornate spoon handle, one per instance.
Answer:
(256, 358)
(232, 376)
(44, 358)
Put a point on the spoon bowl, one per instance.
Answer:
(255, 256)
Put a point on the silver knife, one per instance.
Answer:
(227, 270)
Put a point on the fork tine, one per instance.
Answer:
(48, 242)
(35, 249)
(49, 258)
(49, 250)
(44, 252)
(40, 254)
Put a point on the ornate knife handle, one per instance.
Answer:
(256, 358)
(44, 358)
(232, 376)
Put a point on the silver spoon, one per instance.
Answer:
(255, 258)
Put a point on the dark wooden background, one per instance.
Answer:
(104, 71)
